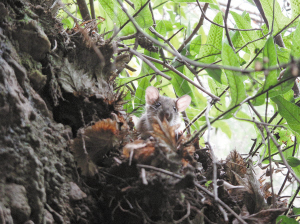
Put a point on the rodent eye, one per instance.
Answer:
(157, 104)
(175, 109)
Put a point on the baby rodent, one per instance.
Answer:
(158, 107)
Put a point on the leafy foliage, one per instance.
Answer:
(250, 64)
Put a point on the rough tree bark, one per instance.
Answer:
(39, 182)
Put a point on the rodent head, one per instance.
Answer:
(162, 106)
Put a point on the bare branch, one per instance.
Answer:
(200, 23)
(84, 11)
(182, 76)
(226, 27)
(276, 144)
(221, 25)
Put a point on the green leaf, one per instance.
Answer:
(144, 18)
(251, 1)
(293, 161)
(285, 138)
(180, 85)
(296, 170)
(289, 96)
(288, 40)
(161, 28)
(295, 51)
(286, 220)
(238, 41)
(235, 81)
(269, 53)
(213, 44)
(116, 14)
(283, 54)
(139, 99)
(216, 74)
(296, 211)
(247, 36)
(195, 45)
(128, 106)
(68, 23)
(178, 1)
(289, 111)
(285, 88)
(121, 81)
(114, 11)
(224, 127)
(295, 8)
(280, 20)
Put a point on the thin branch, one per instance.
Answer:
(182, 76)
(261, 11)
(256, 122)
(175, 34)
(287, 25)
(283, 184)
(134, 15)
(84, 11)
(271, 172)
(276, 144)
(232, 108)
(188, 212)
(276, 153)
(292, 201)
(92, 9)
(159, 170)
(63, 6)
(153, 19)
(200, 23)
(215, 170)
(131, 36)
(273, 17)
(144, 59)
(226, 27)
(221, 203)
(194, 63)
(269, 151)
(221, 25)
(160, 4)
(287, 175)
(202, 112)
(197, 185)
(130, 3)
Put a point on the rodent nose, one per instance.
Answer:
(168, 115)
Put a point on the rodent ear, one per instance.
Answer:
(152, 95)
(183, 102)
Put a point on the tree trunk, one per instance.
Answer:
(37, 170)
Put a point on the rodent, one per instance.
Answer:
(158, 107)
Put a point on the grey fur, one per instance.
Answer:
(168, 108)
